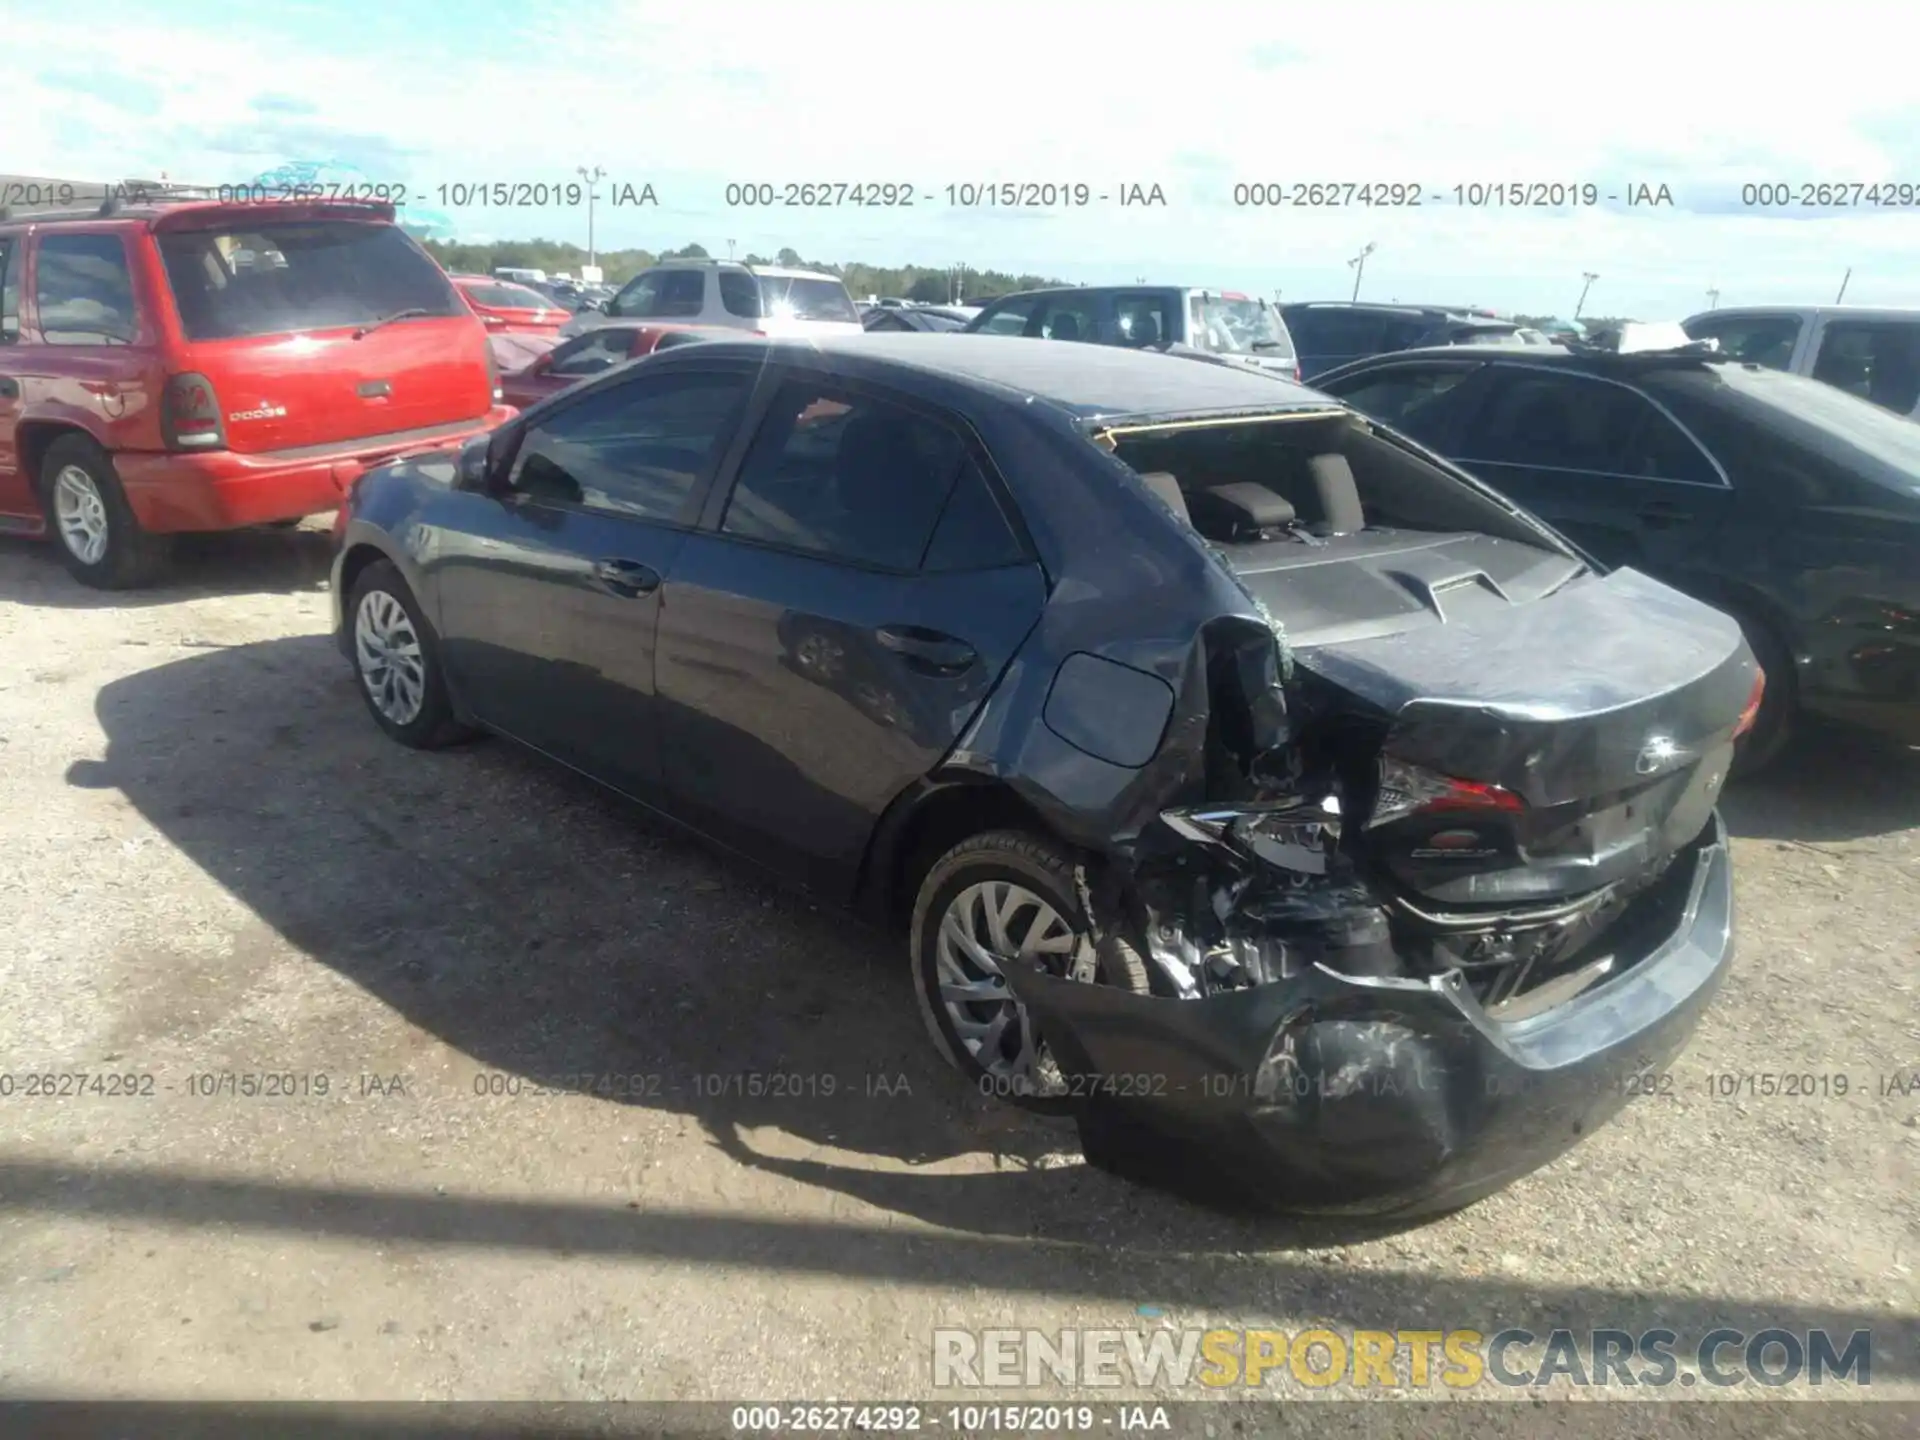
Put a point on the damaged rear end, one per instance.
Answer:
(1444, 882)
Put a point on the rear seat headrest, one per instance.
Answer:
(1167, 487)
(1339, 496)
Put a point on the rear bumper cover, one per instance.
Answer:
(222, 490)
(1335, 1094)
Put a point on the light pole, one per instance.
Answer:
(1713, 299)
(1589, 276)
(1358, 264)
(590, 176)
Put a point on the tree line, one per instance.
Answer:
(933, 284)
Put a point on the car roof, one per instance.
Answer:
(1587, 359)
(1461, 312)
(1085, 381)
(778, 272)
(1851, 312)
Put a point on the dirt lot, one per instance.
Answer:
(213, 862)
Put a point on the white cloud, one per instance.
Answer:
(1192, 97)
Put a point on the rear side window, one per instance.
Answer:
(973, 533)
(1877, 361)
(1143, 320)
(636, 449)
(1337, 332)
(799, 298)
(279, 277)
(1406, 398)
(1571, 422)
(84, 291)
(1757, 339)
(740, 294)
(846, 477)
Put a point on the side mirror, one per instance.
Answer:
(472, 466)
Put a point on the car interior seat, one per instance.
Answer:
(1064, 327)
(1164, 484)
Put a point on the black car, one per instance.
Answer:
(1309, 821)
(1330, 333)
(1789, 504)
(929, 318)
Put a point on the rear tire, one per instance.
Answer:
(1019, 887)
(99, 539)
(396, 658)
(1773, 730)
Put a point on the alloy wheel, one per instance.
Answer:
(392, 664)
(987, 927)
(81, 514)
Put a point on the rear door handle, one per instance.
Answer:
(927, 649)
(628, 578)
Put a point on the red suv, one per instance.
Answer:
(199, 365)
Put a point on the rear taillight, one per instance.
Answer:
(1407, 790)
(1752, 711)
(493, 377)
(190, 414)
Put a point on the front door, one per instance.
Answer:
(549, 593)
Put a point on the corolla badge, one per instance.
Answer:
(1659, 753)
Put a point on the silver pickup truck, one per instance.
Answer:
(1874, 354)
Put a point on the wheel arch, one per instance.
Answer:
(922, 824)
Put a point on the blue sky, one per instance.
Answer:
(1703, 98)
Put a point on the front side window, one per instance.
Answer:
(10, 252)
(846, 477)
(740, 294)
(1071, 317)
(636, 449)
(84, 291)
(1142, 320)
(1408, 398)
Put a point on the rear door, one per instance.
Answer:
(283, 312)
(829, 633)
(1599, 461)
(549, 592)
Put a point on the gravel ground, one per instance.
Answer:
(212, 862)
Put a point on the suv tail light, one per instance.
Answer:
(1752, 711)
(1407, 790)
(190, 414)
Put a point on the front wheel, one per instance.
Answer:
(396, 656)
(996, 900)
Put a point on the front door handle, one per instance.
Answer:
(628, 578)
(927, 650)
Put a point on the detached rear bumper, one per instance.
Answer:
(1336, 1094)
(222, 489)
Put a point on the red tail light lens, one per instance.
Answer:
(1751, 714)
(190, 414)
(1407, 790)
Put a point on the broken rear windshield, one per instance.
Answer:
(276, 278)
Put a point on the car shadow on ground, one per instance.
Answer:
(1832, 786)
(549, 931)
(256, 561)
